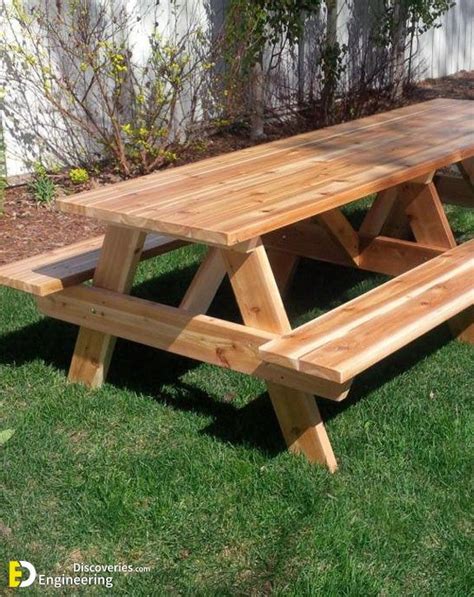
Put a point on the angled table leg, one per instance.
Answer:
(462, 326)
(379, 212)
(386, 216)
(115, 270)
(466, 167)
(428, 219)
(205, 284)
(261, 307)
(283, 266)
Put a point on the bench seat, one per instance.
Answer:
(349, 339)
(53, 271)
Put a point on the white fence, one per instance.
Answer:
(439, 52)
(450, 48)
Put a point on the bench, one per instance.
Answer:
(58, 269)
(349, 339)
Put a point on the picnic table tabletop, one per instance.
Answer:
(236, 197)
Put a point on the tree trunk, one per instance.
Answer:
(301, 63)
(331, 27)
(3, 165)
(257, 102)
(400, 15)
(330, 82)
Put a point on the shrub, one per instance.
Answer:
(78, 175)
(126, 107)
(42, 187)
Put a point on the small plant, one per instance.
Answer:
(42, 187)
(78, 176)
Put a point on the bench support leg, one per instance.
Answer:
(462, 326)
(261, 307)
(341, 232)
(386, 217)
(115, 270)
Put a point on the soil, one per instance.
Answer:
(458, 86)
(28, 228)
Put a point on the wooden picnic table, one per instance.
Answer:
(259, 210)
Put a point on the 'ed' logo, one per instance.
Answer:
(15, 574)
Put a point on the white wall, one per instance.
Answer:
(440, 52)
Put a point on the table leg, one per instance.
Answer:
(466, 167)
(115, 270)
(205, 284)
(387, 216)
(428, 219)
(462, 326)
(379, 212)
(415, 203)
(283, 266)
(261, 307)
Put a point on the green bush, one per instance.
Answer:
(78, 175)
(42, 187)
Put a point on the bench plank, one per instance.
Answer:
(53, 271)
(351, 338)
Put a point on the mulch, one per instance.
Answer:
(27, 228)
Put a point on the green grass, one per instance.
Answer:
(180, 466)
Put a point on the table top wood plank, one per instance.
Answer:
(235, 197)
(242, 157)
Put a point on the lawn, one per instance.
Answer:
(179, 466)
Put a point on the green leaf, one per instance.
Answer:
(5, 435)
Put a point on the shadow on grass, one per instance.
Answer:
(157, 373)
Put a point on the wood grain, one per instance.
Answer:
(223, 343)
(341, 232)
(115, 270)
(351, 338)
(205, 284)
(260, 305)
(283, 265)
(454, 190)
(233, 198)
(379, 212)
(60, 268)
(380, 254)
(428, 219)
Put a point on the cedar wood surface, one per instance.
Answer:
(351, 338)
(239, 196)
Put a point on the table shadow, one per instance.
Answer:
(153, 372)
